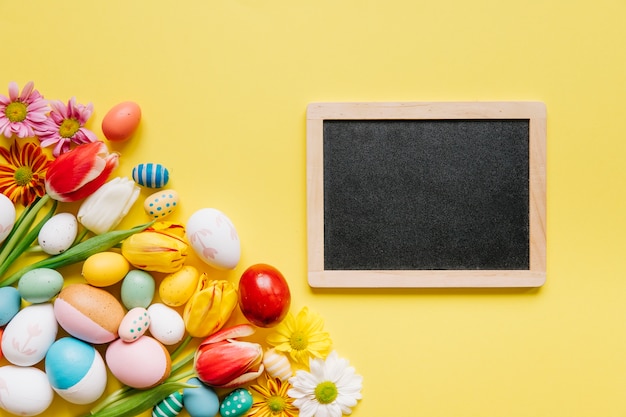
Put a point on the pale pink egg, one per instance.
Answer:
(141, 364)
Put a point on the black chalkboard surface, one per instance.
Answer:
(426, 194)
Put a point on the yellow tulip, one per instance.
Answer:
(209, 307)
(160, 248)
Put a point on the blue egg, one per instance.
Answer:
(76, 370)
(151, 175)
(201, 401)
(10, 302)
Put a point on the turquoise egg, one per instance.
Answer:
(169, 407)
(237, 403)
(201, 401)
(137, 289)
(76, 370)
(10, 302)
(40, 285)
(151, 175)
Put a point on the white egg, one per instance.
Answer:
(214, 238)
(7, 216)
(29, 335)
(166, 324)
(24, 391)
(58, 233)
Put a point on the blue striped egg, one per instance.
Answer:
(169, 407)
(161, 203)
(151, 175)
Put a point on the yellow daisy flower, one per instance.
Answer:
(274, 400)
(302, 337)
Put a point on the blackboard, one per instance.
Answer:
(426, 194)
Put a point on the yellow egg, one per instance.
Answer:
(105, 268)
(178, 287)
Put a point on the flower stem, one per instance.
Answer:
(181, 347)
(79, 252)
(20, 229)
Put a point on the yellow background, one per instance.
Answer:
(224, 85)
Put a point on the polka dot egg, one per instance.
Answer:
(237, 403)
(134, 324)
(161, 203)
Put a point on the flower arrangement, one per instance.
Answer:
(52, 159)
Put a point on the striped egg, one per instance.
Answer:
(161, 203)
(277, 365)
(151, 175)
(169, 407)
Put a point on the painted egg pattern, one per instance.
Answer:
(161, 203)
(277, 365)
(29, 335)
(169, 407)
(76, 371)
(134, 324)
(24, 390)
(151, 175)
(214, 238)
(237, 403)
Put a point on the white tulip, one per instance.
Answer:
(105, 209)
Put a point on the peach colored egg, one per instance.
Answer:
(141, 364)
(88, 313)
(121, 121)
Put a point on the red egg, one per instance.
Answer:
(121, 121)
(264, 296)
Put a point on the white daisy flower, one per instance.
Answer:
(330, 389)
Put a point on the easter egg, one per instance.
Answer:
(24, 390)
(277, 365)
(58, 233)
(76, 371)
(121, 121)
(201, 401)
(142, 364)
(134, 324)
(40, 285)
(161, 203)
(176, 288)
(10, 302)
(237, 403)
(170, 406)
(137, 289)
(151, 175)
(264, 296)
(166, 324)
(7, 216)
(213, 238)
(88, 313)
(29, 335)
(1, 333)
(103, 269)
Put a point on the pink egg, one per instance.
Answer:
(141, 364)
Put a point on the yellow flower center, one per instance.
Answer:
(326, 392)
(68, 128)
(276, 404)
(16, 111)
(23, 175)
(298, 340)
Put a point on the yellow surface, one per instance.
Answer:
(224, 85)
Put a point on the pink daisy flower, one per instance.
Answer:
(65, 125)
(22, 114)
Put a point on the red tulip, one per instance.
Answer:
(78, 173)
(223, 362)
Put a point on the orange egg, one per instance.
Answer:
(121, 121)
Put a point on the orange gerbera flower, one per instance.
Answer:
(22, 177)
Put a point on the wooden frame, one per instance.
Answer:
(535, 112)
